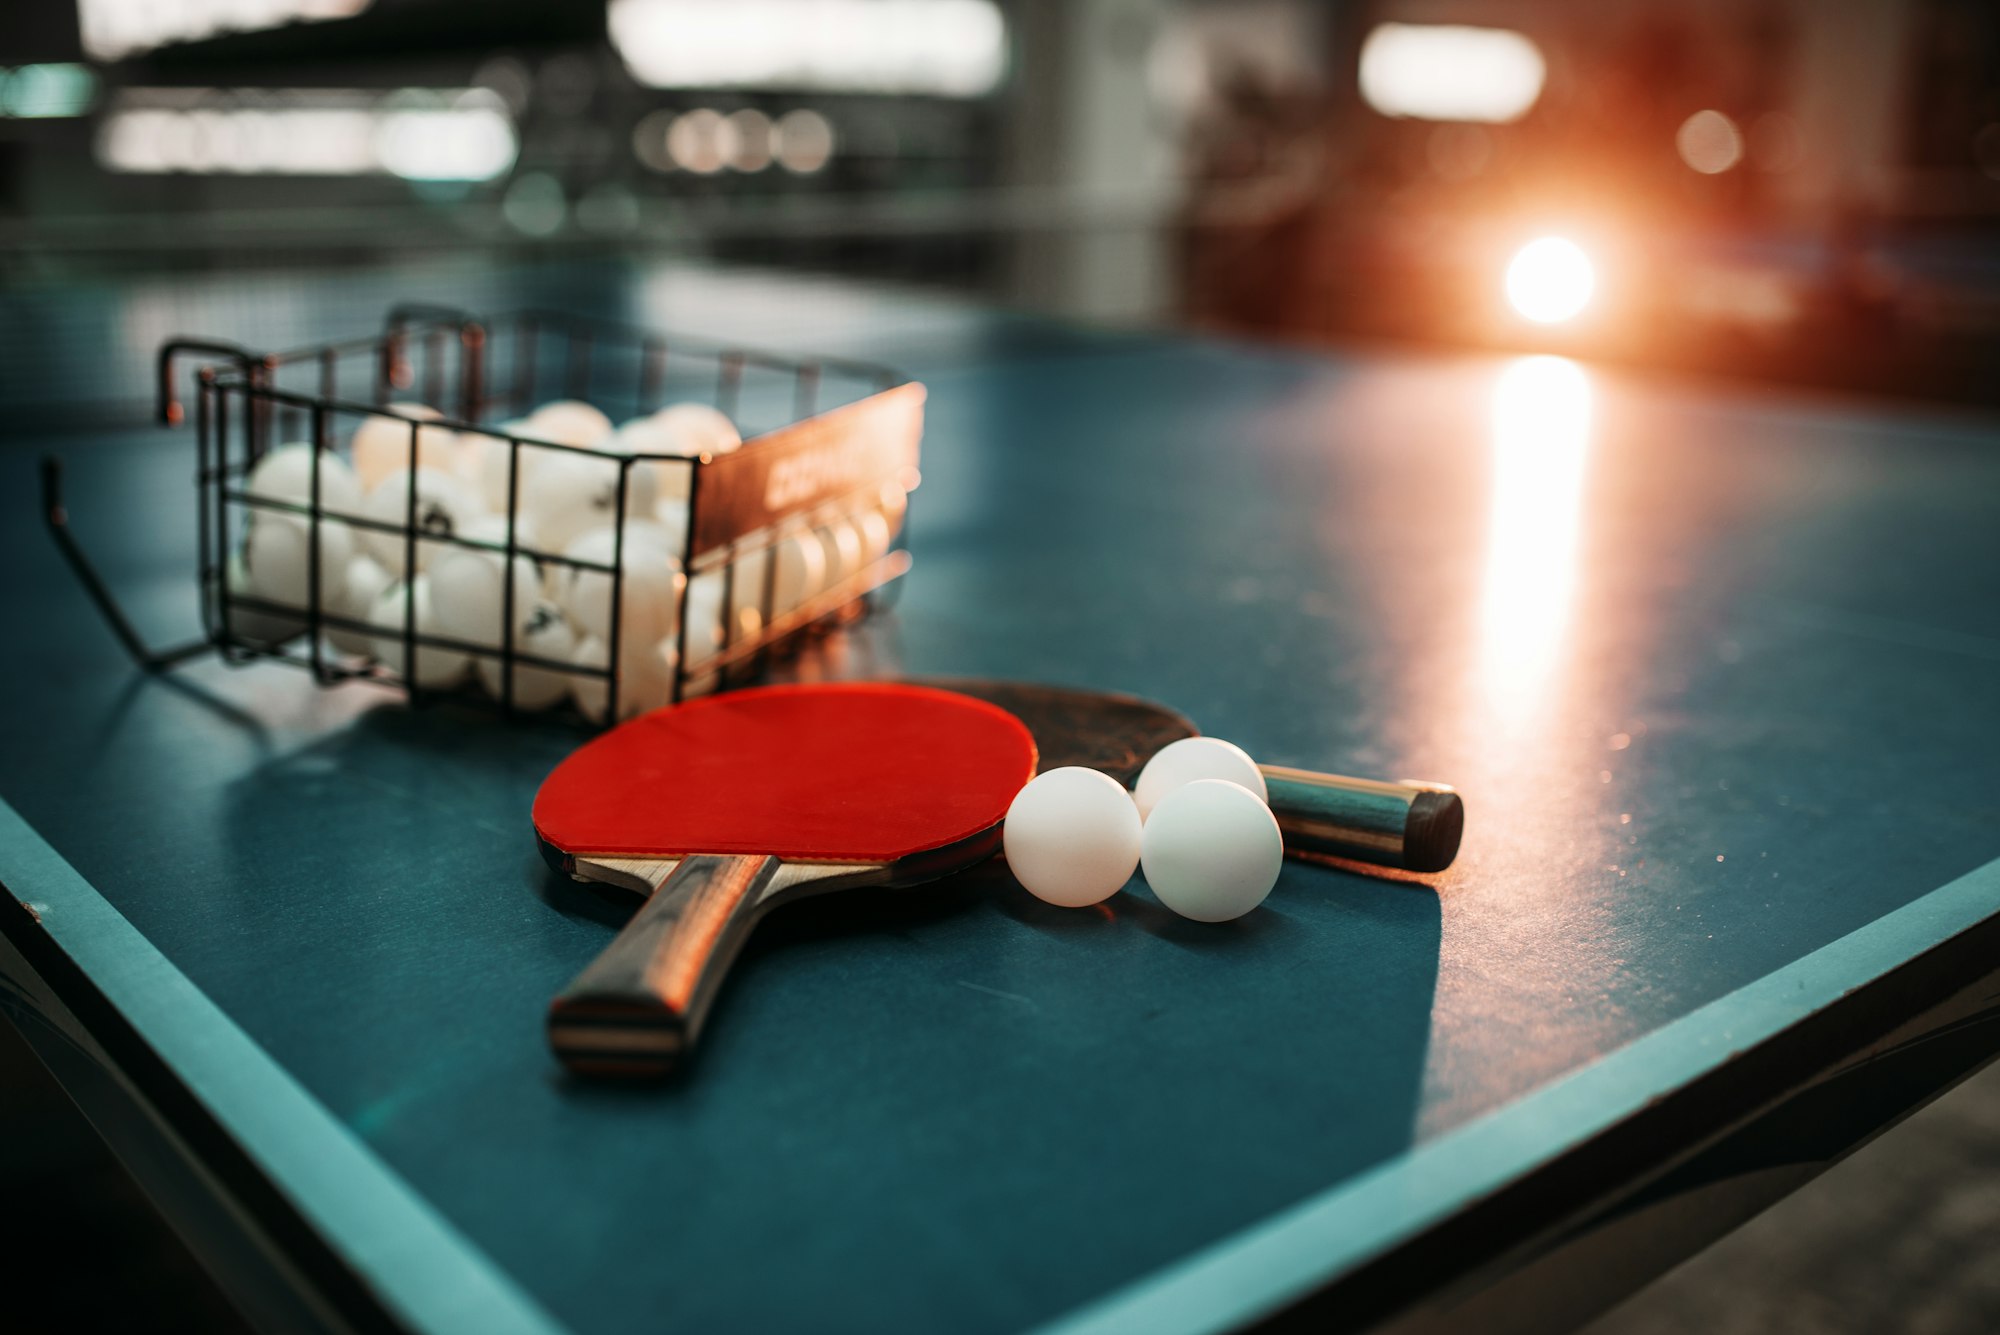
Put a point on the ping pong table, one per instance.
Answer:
(1716, 670)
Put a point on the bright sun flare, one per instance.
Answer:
(1549, 280)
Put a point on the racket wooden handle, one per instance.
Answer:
(1414, 826)
(637, 1010)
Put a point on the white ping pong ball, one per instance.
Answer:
(666, 474)
(444, 506)
(436, 667)
(649, 587)
(277, 554)
(1211, 850)
(800, 572)
(842, 542)
(286, 474)
(645, 678)
(1190, 759)
(568, 422)
(696, 428)
(541, 632)
(364, 581)
(876, 539)
(1072, 837)
(574, 493)
(681, 430)
(707, 633)
(381, 445)
(488, 461)
(468, 592)
(670, 521)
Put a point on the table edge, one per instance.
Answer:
(416, 1265)
(1283, 1260)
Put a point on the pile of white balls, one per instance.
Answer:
(566, 505)
(1197, 821)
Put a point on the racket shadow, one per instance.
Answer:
(809, 924)
(1132, 908)
(851, 913)
(584, 899)
(869, 912)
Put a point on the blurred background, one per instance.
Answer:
(1805, 192)
(1774, 190)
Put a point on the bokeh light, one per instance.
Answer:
(1550, 280)
(47, 91)
(421, 135)
(702, 141)
(608, 208)
(535, 204)
(649, 140)
(804, 141)
(753, 133)
(947, 48)
(115, 29)
(1709, 142)
(465, 143)
(1448, 72)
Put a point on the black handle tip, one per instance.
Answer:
(1433, 829)
(613, 1039)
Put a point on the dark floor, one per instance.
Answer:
(81, 1250)
(1904, 1236)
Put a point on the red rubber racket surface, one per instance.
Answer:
(849, 772)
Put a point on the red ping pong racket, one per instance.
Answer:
(724, 808)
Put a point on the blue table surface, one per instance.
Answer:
(1715, 671)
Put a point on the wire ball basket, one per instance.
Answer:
(374, 510)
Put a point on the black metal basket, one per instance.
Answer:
(822, 439)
